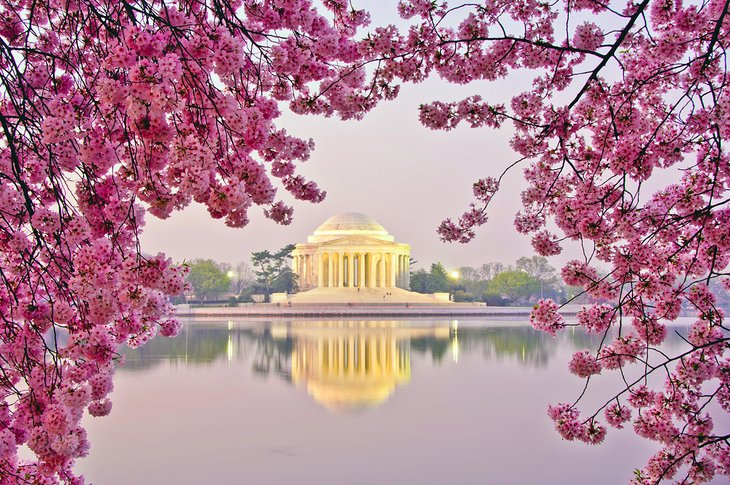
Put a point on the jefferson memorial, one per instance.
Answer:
(351, 258)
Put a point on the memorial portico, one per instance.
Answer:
(351, 250)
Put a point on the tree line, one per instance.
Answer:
(268, 272)
(494, 283)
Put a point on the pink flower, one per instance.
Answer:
(100, 408)
(546, 244)
(616, 415)
(641, 396)
(545, 317)
(650, 330)
(583, 364)
(576, 273)
(596, 318)
(621, 351)
(588, 36)
(7, 445)
(65, 445)
(566, 421)
(593, 433)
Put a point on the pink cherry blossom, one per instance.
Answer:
(583, 364)
(113, 110)
(545, 317)
(616, 415)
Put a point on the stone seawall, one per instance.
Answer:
(368, 310)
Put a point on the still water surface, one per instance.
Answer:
(350, 402)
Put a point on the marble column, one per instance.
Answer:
(405, 271)
(300, 269)
(381, 270)
(408, 272)
(386, 271)
(350, 270)
(320, 270)
(369, 269)
(394, 259)
(330, 275)
(360, 270)
(302, 281)
(375, 269)
(340, 271)
(401, 271)
(392, 269)
(396, 273)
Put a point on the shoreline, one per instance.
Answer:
(362, 310)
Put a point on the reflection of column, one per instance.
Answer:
(351, 355)
(341, 356)
(360, 270)
(330, 275)
(393, 351)
(361, 355)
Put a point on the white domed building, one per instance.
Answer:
(352, 258)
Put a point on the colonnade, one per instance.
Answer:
(351, 355)
(352, 269)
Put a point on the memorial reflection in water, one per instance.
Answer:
(229, 409)
(350, 365)
(344, 365)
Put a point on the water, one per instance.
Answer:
(313, 401)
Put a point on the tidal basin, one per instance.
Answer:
(354, 401)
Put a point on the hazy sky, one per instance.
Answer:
(405, 176)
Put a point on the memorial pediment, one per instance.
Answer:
(355, 241)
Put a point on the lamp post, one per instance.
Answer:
(454, 276)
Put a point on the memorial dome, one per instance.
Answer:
(349, 223)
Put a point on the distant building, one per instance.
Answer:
(351, 250)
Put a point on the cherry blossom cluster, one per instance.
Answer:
(545, 316)
(109, 111)
(623, 97)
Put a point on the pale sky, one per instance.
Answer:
(390, 167)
